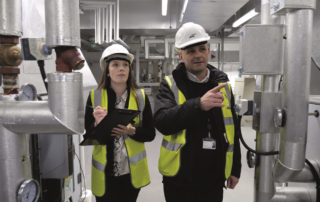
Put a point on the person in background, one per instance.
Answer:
(194, 110)
(119, 169)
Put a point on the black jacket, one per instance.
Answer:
(171, 118)
(144, 133)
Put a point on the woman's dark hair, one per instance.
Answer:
(105, 80)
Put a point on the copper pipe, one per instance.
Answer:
(68, 59)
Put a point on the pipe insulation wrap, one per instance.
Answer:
(295, 97)
(10, 17)
(62, 23)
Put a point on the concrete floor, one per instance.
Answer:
(154, 191)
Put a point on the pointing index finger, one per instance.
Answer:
(217, 89)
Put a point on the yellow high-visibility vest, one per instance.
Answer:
(169, 161)
(136, 151)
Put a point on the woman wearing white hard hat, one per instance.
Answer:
(119, 169)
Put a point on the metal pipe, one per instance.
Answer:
(97, 26)
(222, 49)
(10, 18)
(107, 24)
(146, 47)
(102, 24)
(110, 24)
(116, 26)
(138, 66)
(306, 175)
(61, 114)
(264, 187)
(183, 10)
(219, 56)
(62, 23)
(167, 42)
(295, 97)
(292, 194)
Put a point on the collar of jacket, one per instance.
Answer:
(216, 75)
(180, 76)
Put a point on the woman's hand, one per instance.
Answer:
(99, 113)
(123, 130)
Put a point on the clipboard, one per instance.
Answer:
(102, 131)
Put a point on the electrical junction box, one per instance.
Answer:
(281, 7)
(262, 49)
(35, 49)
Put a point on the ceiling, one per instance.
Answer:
(143, 17)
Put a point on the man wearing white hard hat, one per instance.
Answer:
(194, 110)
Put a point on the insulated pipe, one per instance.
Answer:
(264, 187)
(62, 114)
(306, 175)
(110, 24)
(10, 18)
(116, 23)
(292, 194)
(97, 27)
(107, 24)
(102, 24)
(62, 23)
(295, 97)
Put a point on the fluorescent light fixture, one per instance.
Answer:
(185, 3)
(245, 18)
(164, 7)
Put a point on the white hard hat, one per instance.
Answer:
(190, 33)
(115, 49)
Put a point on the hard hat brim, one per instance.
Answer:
(195, 41)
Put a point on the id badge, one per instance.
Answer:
(209, 143)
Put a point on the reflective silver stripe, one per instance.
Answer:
(174, 89)
(170, 146)
(126, 137)
(97, 98)
(230, 148)
(97, 165)
(140, 104)
(138, 157)
(228, 121)
(228, 94)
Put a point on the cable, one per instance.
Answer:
(280, 81)
(247, 147)
(316, 176)
(43, 72)
(84, 179)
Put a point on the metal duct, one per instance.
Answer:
(62, 114)
(306, 175)
(295, 97)
(146, 47)
(10, 17)
(13, 147)
(62, 23)
(292, 194)
(66, 99)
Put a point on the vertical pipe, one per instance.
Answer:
(138, 66)
(15, 166)
(102, 24)
(295, 97)
(110, 24)
(97, 27)
(10, 18)
(219, 59)
(116, 37)
(107, 23)
(114, 21)
(264, 188)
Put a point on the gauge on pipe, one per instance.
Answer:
(29, 191)
(27, 92)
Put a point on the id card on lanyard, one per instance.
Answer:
(208, 142)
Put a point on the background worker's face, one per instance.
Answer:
(119, 71)
(195, 58)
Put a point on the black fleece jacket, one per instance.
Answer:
(196, 163)
(144, 133)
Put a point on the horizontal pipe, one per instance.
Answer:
(306, 175)
(96, 2)
(292, 194)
